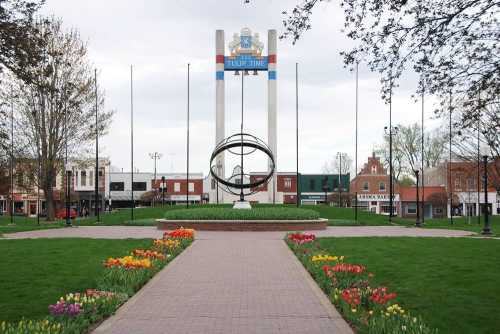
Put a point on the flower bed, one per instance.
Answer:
(367, 308)
(122, 277)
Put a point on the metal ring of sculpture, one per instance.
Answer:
(241, 140)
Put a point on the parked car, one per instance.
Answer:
(61, 214)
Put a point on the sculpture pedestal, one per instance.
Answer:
(242, 205)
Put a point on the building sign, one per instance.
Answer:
(183, 197)
(376, 197)
(246, 53)
(313, 197)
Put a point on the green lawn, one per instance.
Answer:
(451, 282)
(336, 216)
(36, 272)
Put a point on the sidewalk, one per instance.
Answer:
(145, 232)
(230, 285)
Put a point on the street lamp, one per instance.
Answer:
(390, 131)
(487, 227)
(339, 156)
(155, 156)
(418, 222)
(163, 186)
(325, 188)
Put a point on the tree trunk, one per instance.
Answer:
(49, 194)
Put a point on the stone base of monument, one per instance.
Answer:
(244, 225)
(242, 205)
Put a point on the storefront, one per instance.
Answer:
(378, 203)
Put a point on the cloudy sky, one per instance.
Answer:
(160, 37)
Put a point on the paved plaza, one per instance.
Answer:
(229, 282)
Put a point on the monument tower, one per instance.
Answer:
(246, 55)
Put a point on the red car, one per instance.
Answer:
(61, 214)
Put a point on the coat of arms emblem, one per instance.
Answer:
(246, 43)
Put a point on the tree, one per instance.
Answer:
(406, 181)
(484, 132)
(58, 106)
(333, 166)
(20, 43)
(407, 149)
(20, 51)
(451, 45)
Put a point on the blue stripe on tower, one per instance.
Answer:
(219, 75)
(271, 75)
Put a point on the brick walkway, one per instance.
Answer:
(230, 285)
(229, 282)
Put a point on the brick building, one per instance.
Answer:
(466, 184)
(371, 185)
(435, 199)
(177, 187)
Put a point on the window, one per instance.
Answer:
(191, 187)
(76, 178)
(116, 186)
(374, 169)
(177, 187)
(312, 185)
(365, 186)
(91, 178)
(213, 184)
(471, 184)
(411, 208)
(381, 186)
(457, 183)
(83, 178)
(139, 186)
(288, 183)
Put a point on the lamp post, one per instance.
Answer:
(325, 188)
(391, 130)
(163, 186)
(487, 227)
(96, 176)
(418, 222)
(12, 160)
(155, 156)
(339, 156)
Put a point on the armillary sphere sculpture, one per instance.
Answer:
(236, 145)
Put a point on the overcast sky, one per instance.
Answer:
(160, 37)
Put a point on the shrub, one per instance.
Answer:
(257, 213)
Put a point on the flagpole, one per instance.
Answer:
(132, 143)
(356, 154)
(422, 216)
(96, 177)
(297, 132)
(187, 147)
